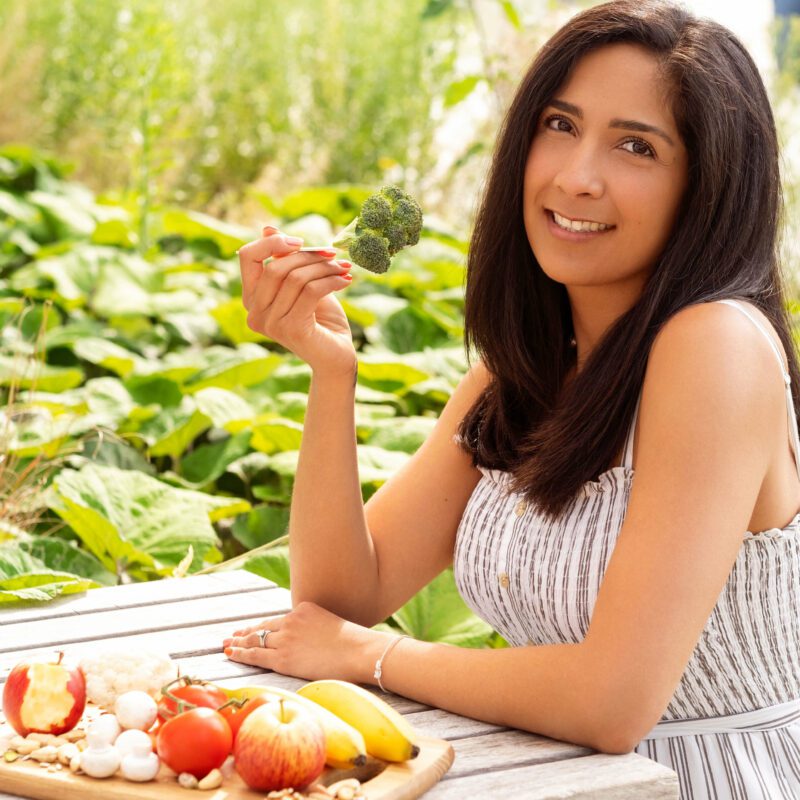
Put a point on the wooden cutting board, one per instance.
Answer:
(381, 780)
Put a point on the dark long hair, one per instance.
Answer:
(724, 245)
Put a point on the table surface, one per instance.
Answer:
(188, 618)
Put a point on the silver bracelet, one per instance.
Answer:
(379, 663)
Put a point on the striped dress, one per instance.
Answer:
(732, 727)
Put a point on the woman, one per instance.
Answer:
(624, 294)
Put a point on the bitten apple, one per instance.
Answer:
(44, 697)
(279, 745)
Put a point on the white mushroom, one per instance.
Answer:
(101, 758)
(136, 709)
(105, 728)
(128, 740)
(141, 764)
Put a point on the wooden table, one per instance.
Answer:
(188, 618)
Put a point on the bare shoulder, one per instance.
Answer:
(719, 348)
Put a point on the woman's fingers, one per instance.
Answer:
(278, 293)
(253, 255)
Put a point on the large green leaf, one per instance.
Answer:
(209, 461)
(66, 557)
(229, 368)
(31, 374)
(24, 578)
(272, 565)
(109, 355)
(231, 316)
(129, 519)
(264, 523)
(437, 613)
(400, 433)
(194, 225)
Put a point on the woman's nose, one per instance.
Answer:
(580, 173)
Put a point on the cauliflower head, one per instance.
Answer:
(110, 673)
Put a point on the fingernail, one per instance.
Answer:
(228, 651)
(268, 230)
(292, 240)
(346, 277)
(344, 264)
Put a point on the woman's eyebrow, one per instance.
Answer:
(627, 124)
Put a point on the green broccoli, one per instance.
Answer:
(389, 220)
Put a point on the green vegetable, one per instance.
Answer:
(389, 220)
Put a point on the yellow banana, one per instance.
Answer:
(344, 745)
(386, 733)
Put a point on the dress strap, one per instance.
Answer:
(787, 380)
(627, 457)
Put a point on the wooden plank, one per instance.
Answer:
(149, 593)
(116, 622)
(178, 643)
(445, 725)
(511, 748)
(596, 777)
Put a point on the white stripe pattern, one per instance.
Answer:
(536, 582)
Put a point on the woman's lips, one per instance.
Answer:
(572, 236)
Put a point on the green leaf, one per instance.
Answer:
(64, 556)
(194, 225)
(272, 565)
(174, 429)
(460, 90)
(209, 461)
(262, 524)
(127, 518)
(274, 434)
(411, 330)
(231, 316)
(511, 13)
(437, 613)
(227, 368)
(223, 407)
(436, 8)
(405, 434)
(31, 374)
(387, 372)
(109, 355)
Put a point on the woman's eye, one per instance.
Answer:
(557, 119)
(645, 151)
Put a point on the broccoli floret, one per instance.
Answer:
(389, 220)
(371, 251)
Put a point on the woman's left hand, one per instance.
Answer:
(309, 642)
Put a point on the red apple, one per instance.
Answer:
(279, 745)
(44, 697)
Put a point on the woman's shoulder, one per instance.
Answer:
(716, 352)
(717, 329)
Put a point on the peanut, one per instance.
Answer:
(27, 747)
(48, 754)
(67, 752)
(74, 735)
(75, 764)
(211, 781)
(10, 755)
(187, 780)
(42, 738)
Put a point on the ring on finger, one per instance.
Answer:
(262, 637)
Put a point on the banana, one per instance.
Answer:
(386, 733)
(344, 745)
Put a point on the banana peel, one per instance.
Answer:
(387, 734)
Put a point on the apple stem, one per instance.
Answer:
(60, 656)
(282, 710)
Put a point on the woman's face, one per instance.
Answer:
(597, 157)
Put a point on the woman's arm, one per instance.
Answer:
(359, 562)
(712, 395)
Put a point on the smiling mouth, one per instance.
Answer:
(577, 226)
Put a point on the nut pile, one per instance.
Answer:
(53, 752)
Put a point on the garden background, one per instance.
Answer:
(146, 432)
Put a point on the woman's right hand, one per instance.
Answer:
(289, 300)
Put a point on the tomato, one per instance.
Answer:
(236, 715)
(195, 741)
(205, 695)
